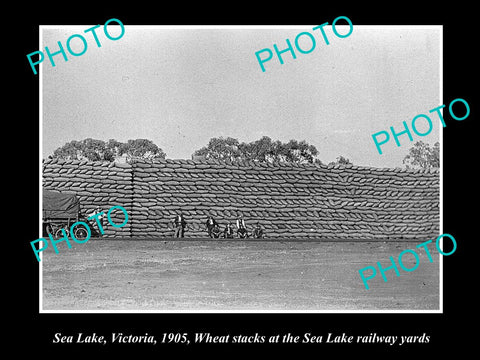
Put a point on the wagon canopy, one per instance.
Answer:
(60, 205)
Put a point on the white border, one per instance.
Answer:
(196, 311)
(40, 172)
(441, 170)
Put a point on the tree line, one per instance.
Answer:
(108, 151)
(421, 155)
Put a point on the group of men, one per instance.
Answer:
(214, 231)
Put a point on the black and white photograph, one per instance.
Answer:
(279, 177)
(249, 185)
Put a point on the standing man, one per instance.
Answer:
(210, 224)
(180, 224)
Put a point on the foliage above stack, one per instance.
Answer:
(108, 151)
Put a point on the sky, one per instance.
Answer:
(181, 86)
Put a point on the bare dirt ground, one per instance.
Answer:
(226, 275)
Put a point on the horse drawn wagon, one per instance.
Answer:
(60, 212)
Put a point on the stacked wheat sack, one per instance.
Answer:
(301, 201)
(96, 184)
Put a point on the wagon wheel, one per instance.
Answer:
(80, 233)
(49, 229)
(58, 233)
